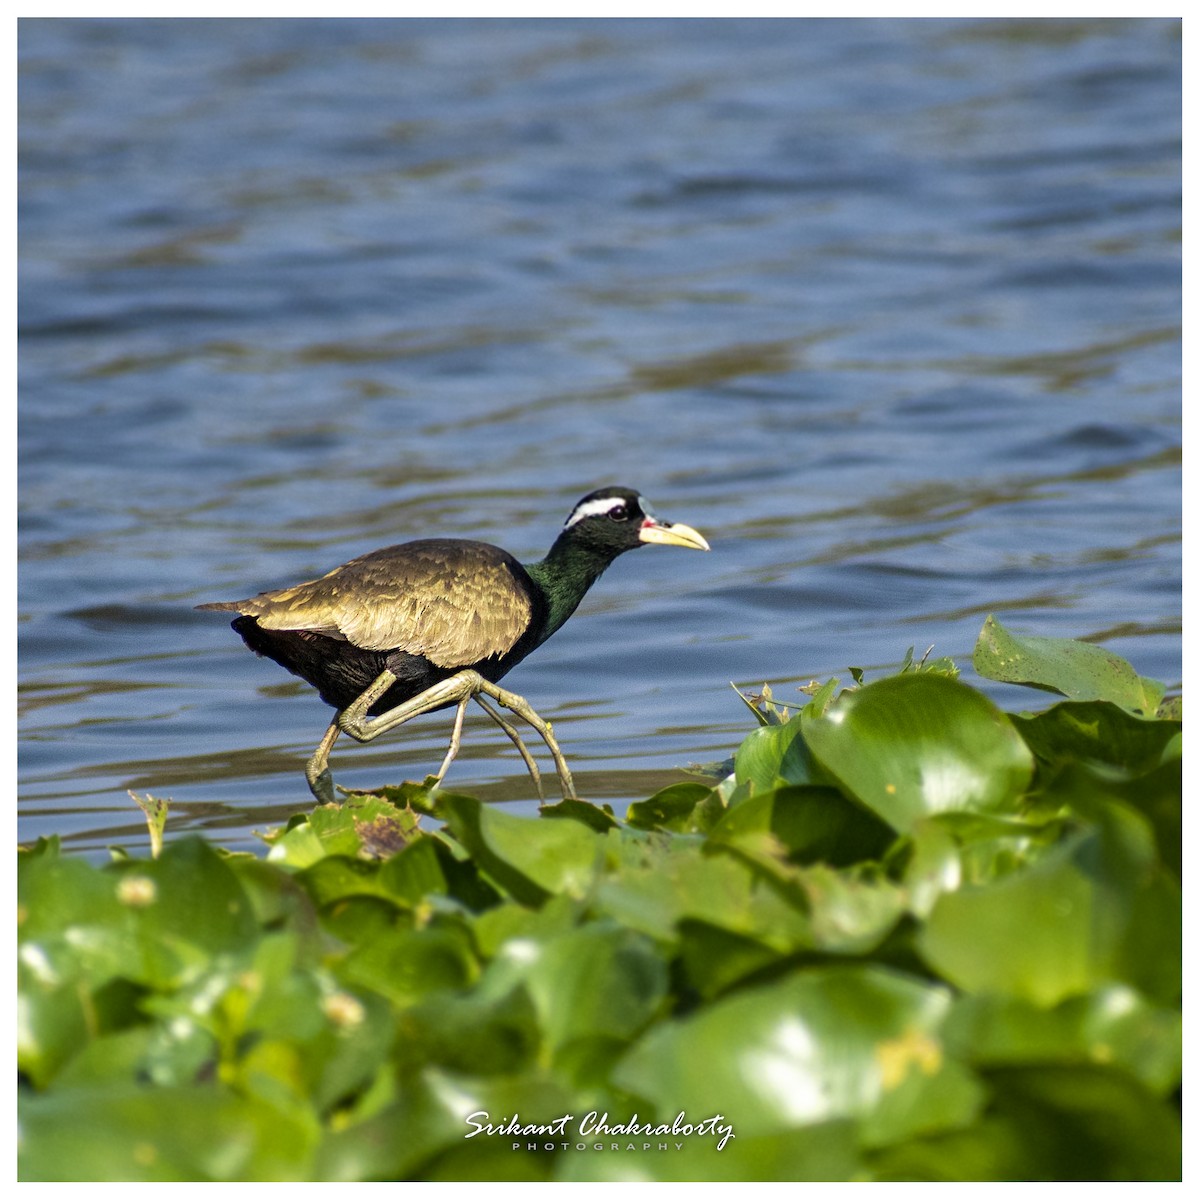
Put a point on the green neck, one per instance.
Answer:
(564, 576)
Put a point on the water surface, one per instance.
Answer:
(889, 310)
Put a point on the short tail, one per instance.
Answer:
(224, 605)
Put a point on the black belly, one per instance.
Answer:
(341, 672)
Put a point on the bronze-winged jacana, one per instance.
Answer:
(425, 625)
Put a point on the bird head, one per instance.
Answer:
(615, 519)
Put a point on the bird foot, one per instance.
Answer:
(321, 786)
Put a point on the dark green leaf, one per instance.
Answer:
(670, 808)
(530, 859)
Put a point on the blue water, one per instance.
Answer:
(890, 310)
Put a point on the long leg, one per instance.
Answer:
(515, 738)
(320, 781)
(524, 710)
(458, 688)
(455, 738)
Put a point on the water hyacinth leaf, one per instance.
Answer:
(54, 893)
(814, 1154)
(298, 846)
(714, 959)
(75, 931)
(670, 808)
(338, 1057)
(823, 1044)
(344, 828)
(406, 965)
(405, 879)
(673, 886)
(472, 1105)
(192, 896)
(1113, 1024)
(415, 873)
(275, 896)
(134, 1133)
(1075, 669)
(851, 911)
(334, 878)
(1052, 929)
(594, 816)
(598, 981)
(916, 744)
(932, 865)
(848, 911)
(1100, 731)
(1064, 1124)
(1154, 799)
(155, 922)
(989, 847)
(486, 1031)
(140, 1051)
(528, 858)
(53, 1024)
(1151, 953)
(491, 929)
(774, 754)
(1092, 1123)
(406, 1130)
(812, 823)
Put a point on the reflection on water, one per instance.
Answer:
(889, 310)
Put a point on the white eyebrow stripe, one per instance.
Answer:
(592, 508)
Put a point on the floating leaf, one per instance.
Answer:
(1051, 930)
(529, 858)
(1065, 1124)
(1075, 669)
(1113, 1024)
(591, 815)
(1099, 731)
(670, 808)
(599, 981)
(131, 1132)
(856, 1042)
(671, 885)
(920, 743)
(772, 755)
(813, 824)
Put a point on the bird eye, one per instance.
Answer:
(619, 513)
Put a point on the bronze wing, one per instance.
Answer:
(454, 602)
